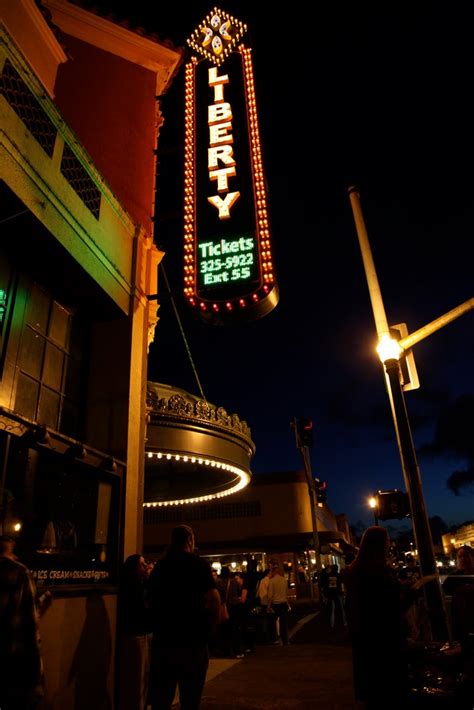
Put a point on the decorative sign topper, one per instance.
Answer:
(228, 266)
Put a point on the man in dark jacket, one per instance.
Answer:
(185, 611)
(21, 676)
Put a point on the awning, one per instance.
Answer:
(335, 537)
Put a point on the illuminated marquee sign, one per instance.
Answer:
(228, 266)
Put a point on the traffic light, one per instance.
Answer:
(304, 432)
(321, 491)
(392, 504)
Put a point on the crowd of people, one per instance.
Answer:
(381, 606)
(171, 613)
(171, 618)
(382, 630)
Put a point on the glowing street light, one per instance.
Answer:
(373, 504)
(389, 351)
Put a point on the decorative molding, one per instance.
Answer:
(186, 406)
(110, 37)
(47, 35)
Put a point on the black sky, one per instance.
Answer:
(380, 98)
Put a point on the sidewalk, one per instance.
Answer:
(314, 672)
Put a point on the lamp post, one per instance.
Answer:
(389, 351)
(303, 447)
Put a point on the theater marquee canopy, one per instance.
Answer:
(195, 451)
(228, 266)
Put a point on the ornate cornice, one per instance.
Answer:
(163, 399)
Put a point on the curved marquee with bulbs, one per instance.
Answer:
(228, 265)
(195, 451)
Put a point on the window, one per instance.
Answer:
(50, 365)
(63, 514)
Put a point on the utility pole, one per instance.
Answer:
(302, 443)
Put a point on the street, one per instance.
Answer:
(315, 671)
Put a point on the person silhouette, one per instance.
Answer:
(462, 599)
(21, 668)
(375, 604)
(134, 633)
(185, 608)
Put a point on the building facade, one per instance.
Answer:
(464, 535)
(270, 519)
(79, 127)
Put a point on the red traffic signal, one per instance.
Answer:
(321, 491)
(304, 432)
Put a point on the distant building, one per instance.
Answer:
(463, 535)
(80, 125)
(269, 519)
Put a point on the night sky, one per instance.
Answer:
(380, 98)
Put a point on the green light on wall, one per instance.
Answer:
(3, 304)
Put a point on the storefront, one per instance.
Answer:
(77, 264)
(61, 502)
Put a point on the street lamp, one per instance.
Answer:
(389, 351)
(373, 505)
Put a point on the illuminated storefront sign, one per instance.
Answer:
(228, 265)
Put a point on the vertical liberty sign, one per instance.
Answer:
(228, 264)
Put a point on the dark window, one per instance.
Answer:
(63, 514)
(27, 107)
(80, 181)
(51, 363)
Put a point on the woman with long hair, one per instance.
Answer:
(375, 604)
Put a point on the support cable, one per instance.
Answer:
(182, 332)
(14, 216)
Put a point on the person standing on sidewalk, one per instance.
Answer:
(236, 598)
(335, 595)
(134, 634)
(262, 596)
(462, 604)
(185, 606)
(21, 667)
(375, 602)
(278, 604)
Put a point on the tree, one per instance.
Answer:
(438, 528)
